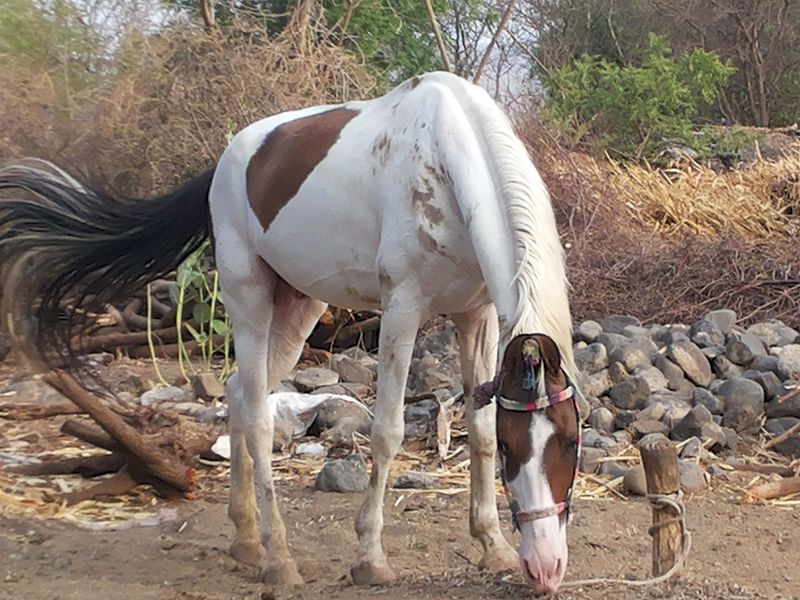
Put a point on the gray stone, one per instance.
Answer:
(415, 480)
(635, 481)
(624, 419)
(789, 361)
(672, 372)
(712, 352)
(588, 331)
(595, 385)
(612, 469)
(602, 419)
(741, 349)
(724, 368)
(712, 431)
(611, 340)
(584, 407)
(786, 408)
(633, 354)
(691, 359)
(315, 377)
(344, 429)
(339, 389)
(675, 337)
(343, 475)
(706, 333)
(357, 390)
(773, 333)
(590, 457)
(591, 359)
(207, 386)
(765, 364)
(643, 427)
(702, 397)
(631, 394)
(693, 448)
(435, 380)
(654, 410)
(617, 323)
(655, 378)
(618, 373)
(744, 403)
(282, 436)
(355, 353)
(731, 438)
(5, 346)
(791, 446)
(424, 410)
(768, 381)
(693, 479)
(332, 411)
(635, 331)
(621, 437)
(724, 319)
(353, 371)
(159, 395)
(690, 425)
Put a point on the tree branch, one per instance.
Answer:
(438, 33)
(500, 27)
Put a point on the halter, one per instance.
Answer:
(532, 360)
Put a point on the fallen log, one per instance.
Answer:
(161, 464)
(91, 434)
(783, 437)
(776, 489)
(87, 466)
(28, 411)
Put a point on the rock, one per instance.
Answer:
(741, 349)
(624, 419)
(207, 386)
(435, 380)
(643, 427)
(712, 352)
(587, 331)
(674, 337)
(315, 377)
(635, 481)
(768, 381)
(332, 411)
(612, 468)
(690, 425)
(595, 385)
(616, 323)
(791, 446)
(592, 439)
(282, 435)
(584, 407)
(621, 437)
(633, 353)
(672, 372)
(311, 449)
(164, 394)
(602, 419)
(343, 475)
(693, 448)
(724, 319)
(5, 346)
(789, 361)
(712, 431)
(785, 408)
(765, 364)
(339, 389)
(618, 373)
(692, 361)
(424, 410)
(724, 368)
(655, 378)
(591, 359)
(706, 333)
(654, 410)
(589, 460)
(352, 371)
(773, 333)
(731, 438)
(744, 403)
(355, 353)
(190, 409)
(611, 340)
(344, 429)
(702, 397)
(636, 332)
(631, 394)
(693, 479)
(357, 390)
(415, 480)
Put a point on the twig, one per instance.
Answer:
(783, 437)
(493, 42)
(438, 33)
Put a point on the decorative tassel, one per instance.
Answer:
(531, 358)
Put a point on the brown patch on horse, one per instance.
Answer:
(560, 452)
(422, 200)
(514, 434)
(287, 156)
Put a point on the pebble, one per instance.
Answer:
(343, 475)
(310, 379)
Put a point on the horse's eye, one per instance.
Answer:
(571, 443)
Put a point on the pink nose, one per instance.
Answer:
(544, 576)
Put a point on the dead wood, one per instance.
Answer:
(781, 470)
(91, 434)
(28, 411)
(776, 489)
(121, 483)
(87, 466)
(112, 341)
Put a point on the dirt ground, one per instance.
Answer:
(739, 551)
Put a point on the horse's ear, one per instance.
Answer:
(551, 355)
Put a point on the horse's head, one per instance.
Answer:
(538, 437)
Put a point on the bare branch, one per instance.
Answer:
(500, 27)
(438, 33)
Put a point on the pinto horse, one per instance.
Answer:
(419, 202)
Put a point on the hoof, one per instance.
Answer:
(250, 553)
(284, 574)
(367, 573)
(500, 559)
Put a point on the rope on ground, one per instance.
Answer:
(674, 501)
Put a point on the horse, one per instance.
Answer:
(420, 202)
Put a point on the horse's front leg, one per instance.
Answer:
(400, 321)
(478, 339)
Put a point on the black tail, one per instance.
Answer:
(66, 249)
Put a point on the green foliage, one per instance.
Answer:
(633, 110)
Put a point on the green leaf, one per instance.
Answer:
(202, 313)
(220, 327)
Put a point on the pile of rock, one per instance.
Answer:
(707, 383)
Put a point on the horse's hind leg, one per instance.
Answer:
(402, 316)
(478, 338)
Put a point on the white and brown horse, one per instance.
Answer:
(420, 202)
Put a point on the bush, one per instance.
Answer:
(634, 111)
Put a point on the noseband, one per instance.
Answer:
(484, 395)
